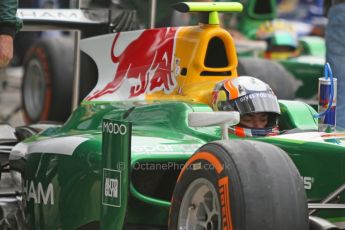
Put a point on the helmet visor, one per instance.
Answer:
(256, 103)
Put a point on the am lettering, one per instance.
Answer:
(38, 194)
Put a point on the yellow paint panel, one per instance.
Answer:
(190, 50)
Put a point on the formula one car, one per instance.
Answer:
(145, 150)
(46, 97)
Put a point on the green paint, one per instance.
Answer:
(160, 133)
(92, 182)
(214, 6)
(115, 172)
(148, 200)
(211, 8)
(213, 18)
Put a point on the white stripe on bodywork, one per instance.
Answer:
(340, 224)
(59, 145)
(309, 136)
(320, 137)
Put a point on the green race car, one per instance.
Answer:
(145, 150)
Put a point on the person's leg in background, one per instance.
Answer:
(335, 55)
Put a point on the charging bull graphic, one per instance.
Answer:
(147, 61)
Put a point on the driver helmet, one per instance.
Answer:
(281, 39)
(247, 95)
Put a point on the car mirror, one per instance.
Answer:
(222, 118)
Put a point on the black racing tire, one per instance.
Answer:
(240, 185)
(48, 80)
(281, 81)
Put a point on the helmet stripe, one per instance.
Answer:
(233, 91)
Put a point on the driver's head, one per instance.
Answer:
(253, 99)
(254, 120)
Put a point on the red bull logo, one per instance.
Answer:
(146, 64)
(324, 99)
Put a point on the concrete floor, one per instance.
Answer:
(10, 102)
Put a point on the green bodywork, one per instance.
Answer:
(161, 142)
(116, 149)
(87, 174)
(256, 12)
(308, 69)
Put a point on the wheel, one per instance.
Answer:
(48, 80)
(242, 185)
(281, 81)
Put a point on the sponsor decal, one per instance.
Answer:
(307, 182)
(333, 135)
(177, 66)
(111, 188)
(70, 15)
(166, 148)
(146, 64)
(114, 128)
(225, 203)
(256, 95)
(37, 193)
(326, 138)
(49, 14)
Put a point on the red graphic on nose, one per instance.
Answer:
(147, 59)
(214, 97)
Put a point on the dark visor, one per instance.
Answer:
(256, 103)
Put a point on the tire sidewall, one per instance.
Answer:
(38, 53)
(282, 82)
(55, 56)
(263, 186)
(202, 168)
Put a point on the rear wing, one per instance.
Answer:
(79, 20)
(210, 10)
(90, 22)
(66, 19)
